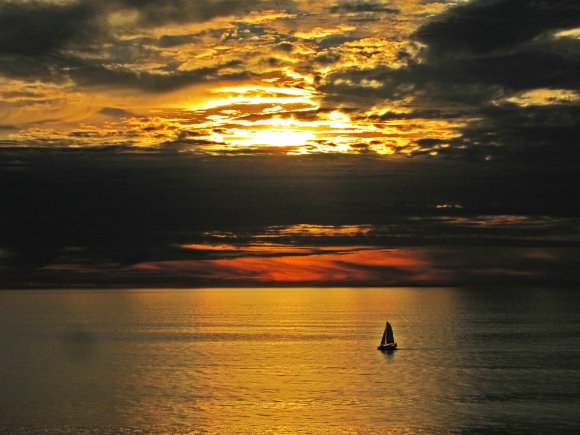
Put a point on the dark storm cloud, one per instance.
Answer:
(33, 36)
(483, 26)
(97, 213)
(548, 63)
(537, 133)
(34, 28)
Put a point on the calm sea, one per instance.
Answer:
(276, 361)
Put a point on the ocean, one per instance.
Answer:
(290, 361)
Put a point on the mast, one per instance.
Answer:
(389, 334)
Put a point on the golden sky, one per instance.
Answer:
(275, 76)
(224, 76)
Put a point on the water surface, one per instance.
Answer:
(289, 361)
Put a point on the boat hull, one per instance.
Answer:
(387, 347)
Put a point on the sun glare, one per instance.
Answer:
(264, 115)
(271, 138)
(281, 137)
(258, 95)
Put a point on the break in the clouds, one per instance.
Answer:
(133, 133)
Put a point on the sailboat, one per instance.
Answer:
(388, 340)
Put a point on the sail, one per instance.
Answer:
(389, 334)
(384, 339)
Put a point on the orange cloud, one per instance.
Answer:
(354, 265)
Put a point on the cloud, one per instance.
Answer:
(168, 41)
(473, 80)
(100, 75)
(364, 6)
(335, 40)
(544, 134)
(36, 28)
(547, 63)
(327, 57)
(115, 112)
(90, 215)
(161, 12)
(482, 26)
(40, 27)
(484, 85)
(80, 41)
(465, 76)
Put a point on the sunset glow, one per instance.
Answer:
(287, 140)
(242, 84)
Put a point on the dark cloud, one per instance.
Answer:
(38, 28)
(35, 28)
(285, 46)
(101, 75)
(115, 112)
(167, 41)
(105, 210)
(335, 40)
(418, 114)
(160, 12)
(483, 26)
(544, 64)
(508, 266)
(475, 80)
(34, 36)
(327, 57)
(364, 6)
(348, 84)
(54, 42)
(103, 190)
(543, 134)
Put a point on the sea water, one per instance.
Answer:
(277, 360)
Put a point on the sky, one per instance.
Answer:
(176, 143)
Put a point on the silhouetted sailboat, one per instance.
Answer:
(388, 340)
